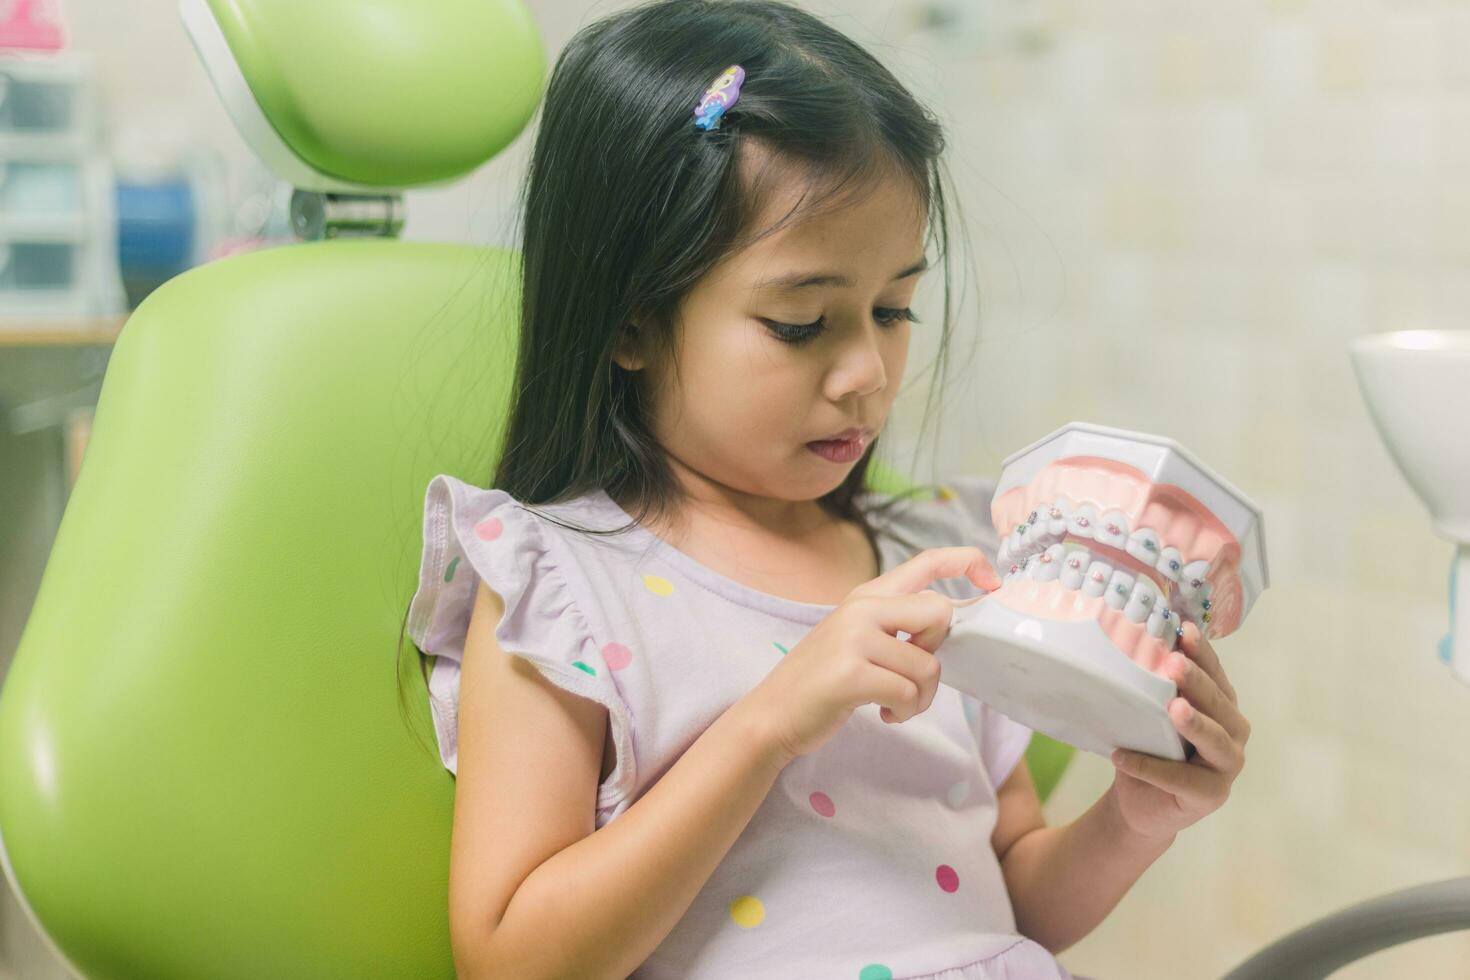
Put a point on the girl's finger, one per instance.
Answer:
(1213, 743)
(924, 615)
(1201, 691)
(1198, 649)
(902, 664)
(1184, 779)
(930, 565)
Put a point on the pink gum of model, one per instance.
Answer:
(1178, 517)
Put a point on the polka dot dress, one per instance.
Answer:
(870, 857)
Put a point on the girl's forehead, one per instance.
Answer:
(806, 221)
(808, 201)
(862, 235)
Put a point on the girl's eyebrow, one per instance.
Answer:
(798, 280)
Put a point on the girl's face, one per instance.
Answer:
(767, 367)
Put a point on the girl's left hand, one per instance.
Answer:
(1158, 797)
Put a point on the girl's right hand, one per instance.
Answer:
(854, 656)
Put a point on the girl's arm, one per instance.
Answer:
(1063, 881)
(534, 891)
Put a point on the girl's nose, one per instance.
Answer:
(860, 368)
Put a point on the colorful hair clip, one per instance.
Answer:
(718, 98)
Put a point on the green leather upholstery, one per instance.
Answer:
(203, 768)
(385, 93)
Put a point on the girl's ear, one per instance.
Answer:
(628, 355)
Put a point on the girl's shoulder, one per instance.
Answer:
(552, 613)
(955, 512)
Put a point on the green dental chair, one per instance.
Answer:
(206, 769)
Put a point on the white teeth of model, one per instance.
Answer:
(1017, 538)
(1073, 568)
(1170, 561)
(1120, 587)
(1041, 534)
(1140, 601)
(1171, 635)
(1041, 540)
(1096, 581)
(1049, 564)
(1003, 555)
(1144, 545)
(1157, 621)
(1082, 521)
(1112, 529)
(1056, 515)
(1192, 584)
(1170, 618)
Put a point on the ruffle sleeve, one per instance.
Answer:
(471, 534)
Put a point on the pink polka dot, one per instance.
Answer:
(947, 877)
(616, 656)
(489, 529)
(822, 803)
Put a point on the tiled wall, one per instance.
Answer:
(1180, 213)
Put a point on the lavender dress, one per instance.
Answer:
(870, 858)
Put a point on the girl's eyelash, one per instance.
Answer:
(800, 333)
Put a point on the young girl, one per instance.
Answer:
(684, 664)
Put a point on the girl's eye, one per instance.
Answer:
(795, 333)
(800, 333)
(886, 315)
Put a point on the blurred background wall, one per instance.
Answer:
(1178, 215)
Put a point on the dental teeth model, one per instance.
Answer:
(1109, 541)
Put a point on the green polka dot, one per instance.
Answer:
(449, 572)
(875, 971)
(581, 666)
(780, 647)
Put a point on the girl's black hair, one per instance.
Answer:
(626, 205)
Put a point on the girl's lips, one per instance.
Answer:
(838, 450)
(852, 432)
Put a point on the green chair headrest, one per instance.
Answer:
(371, 94)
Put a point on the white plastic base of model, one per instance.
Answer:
(1064, 679)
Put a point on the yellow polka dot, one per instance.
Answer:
(658, 585)
(945, 493)
(747, 911)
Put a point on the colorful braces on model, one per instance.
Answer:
(1095, 536)
(1109, 542)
